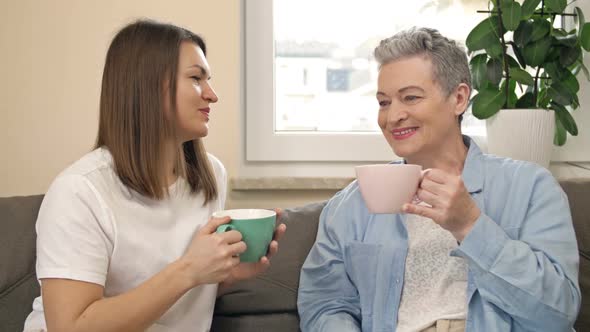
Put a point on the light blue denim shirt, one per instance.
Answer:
(522, 256)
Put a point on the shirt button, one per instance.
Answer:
(397, 281)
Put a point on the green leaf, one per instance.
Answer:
(558, 32)
(526, 101)
(566, 119)
(571, 82)
(494, 50)
(579, 20)
(512, 98)
(575, 102)
(541, 28)
(512, 62)
(543, 99)
(560, 94)
(477, 65)
(511, 12)
(484, 34)
(569, 55)
(534, 53)
(524, 33)
(553, 54)
(504, 3)
(567, 40)
(519, 57)
(555, 71)
(556, 6)
(494, 71)
(487, 103)
(521, 76)
(560, 136)
(575, 68)
(570, 86)
(528, 8)
(585, 37)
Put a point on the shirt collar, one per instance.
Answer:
(473, 171)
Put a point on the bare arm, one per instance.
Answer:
(72, 305)
(80, 306)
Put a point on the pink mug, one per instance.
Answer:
(387, 187)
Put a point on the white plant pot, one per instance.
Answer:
(524, 134)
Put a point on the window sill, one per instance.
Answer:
(560, 171)
(289, 183)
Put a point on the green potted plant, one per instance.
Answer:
(525, 58)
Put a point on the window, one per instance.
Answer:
(311, 80)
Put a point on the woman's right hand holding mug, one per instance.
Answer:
(211, 256)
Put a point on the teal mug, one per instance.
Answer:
(256, 226)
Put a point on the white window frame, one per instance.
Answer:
(264, 144)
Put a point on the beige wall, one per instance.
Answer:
(52, 58)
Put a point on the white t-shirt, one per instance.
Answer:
(93, 228)
(435, 283)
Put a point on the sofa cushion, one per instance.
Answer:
(276, 290)
(267, 301)
(578, 192)
(283, 322)
(16, 304)
(18, 284)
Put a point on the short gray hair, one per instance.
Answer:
(448, 57)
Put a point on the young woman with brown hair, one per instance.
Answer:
(126, 241)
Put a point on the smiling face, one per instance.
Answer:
(193, 93)
(415, 115)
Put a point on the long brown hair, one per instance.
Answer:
(143, 57)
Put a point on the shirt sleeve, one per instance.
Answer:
(533, 278)
(327, 299)
(73, 240)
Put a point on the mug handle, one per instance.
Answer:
(417, 200)
(225, 228)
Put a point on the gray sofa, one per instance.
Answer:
(267, 303)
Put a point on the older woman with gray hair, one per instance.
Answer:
(490, 247)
